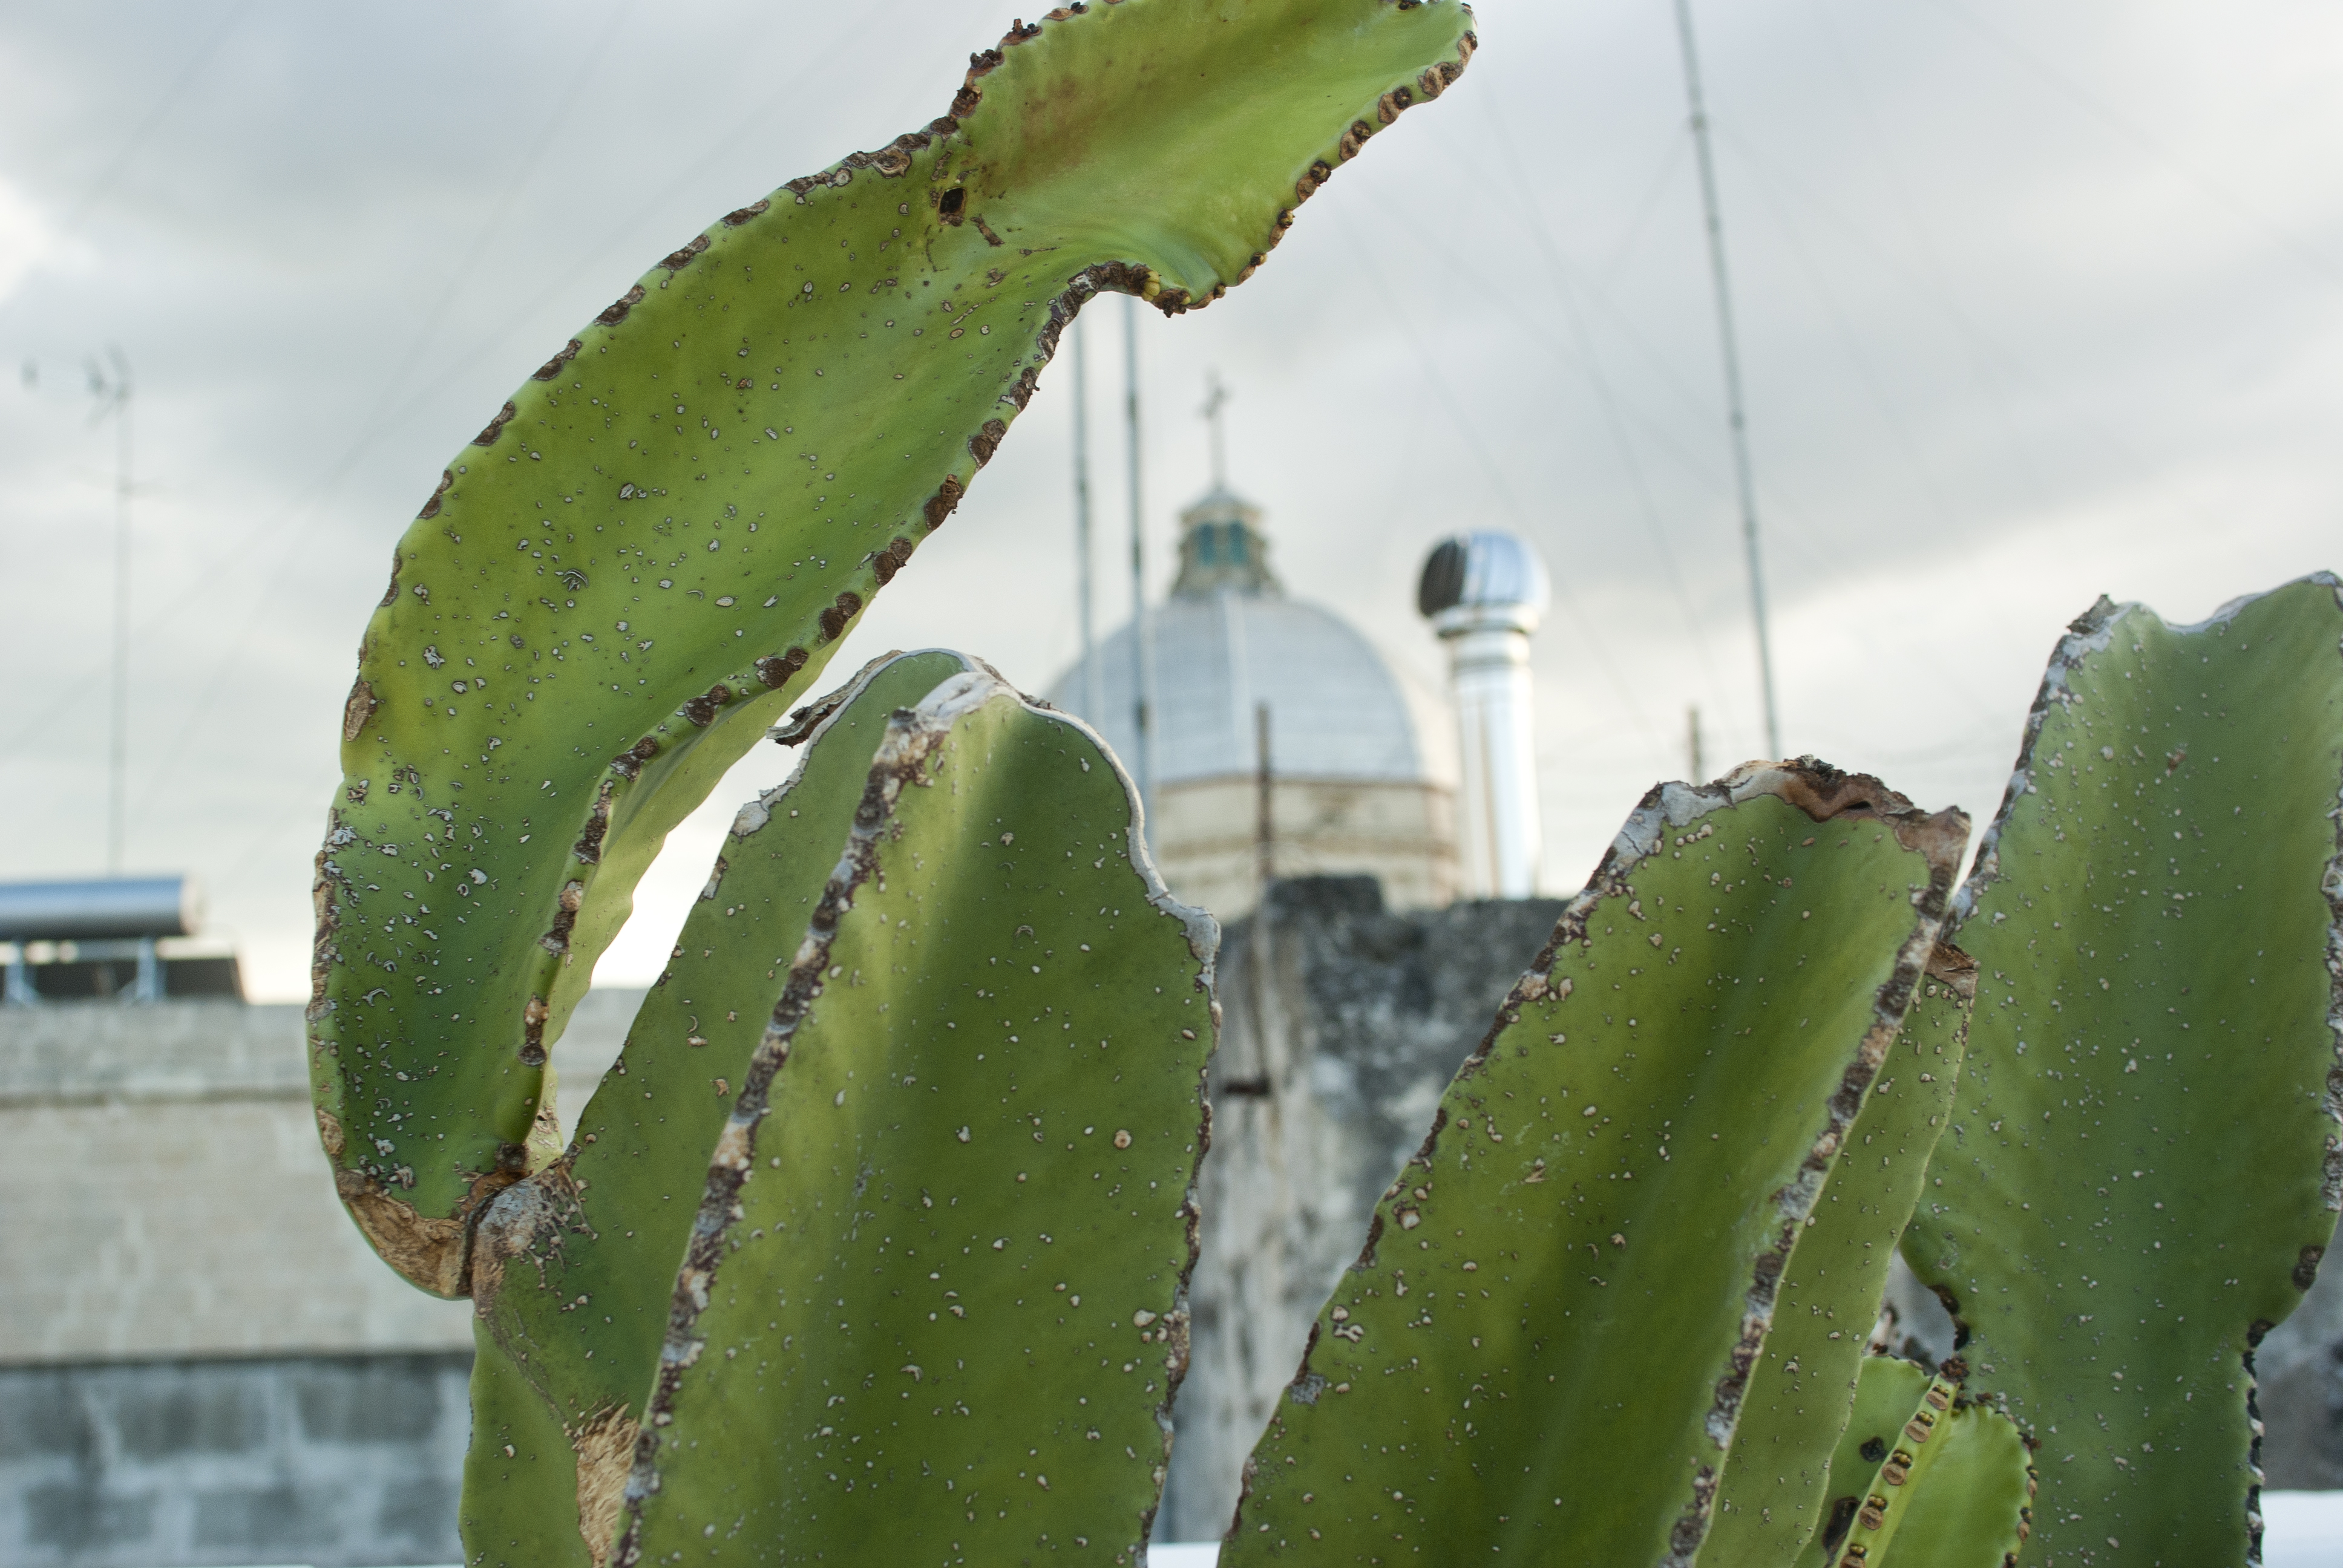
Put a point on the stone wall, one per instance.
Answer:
(1340, 1024)
(326, 1461)
(1201, 832)
(200, 1359)
(2299, 1367)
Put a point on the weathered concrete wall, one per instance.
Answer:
(1333, 1054)
(200, 1359)
(326, 1460)
(162, 1192)
(2299, 1366)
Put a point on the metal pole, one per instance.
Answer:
(1268, 1058)
(1142, 621)
(147, 989)
(118, 722)
(1264, 832)
(1093, 695)
(20, 989)
(1692, 740)
(1732, 356)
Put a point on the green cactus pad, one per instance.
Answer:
(1541, 1350)
(523, 1506)
(1887, 1391)
(932, 1307)
(1803, 1385)
(656, 545)
(1921, 1480)
(574, 1267)
(2141, 1174)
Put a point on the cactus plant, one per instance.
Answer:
(1803, 1385)
(653, 548)
(1922, 1478)
(2141, 1174)
(989, 1114)
(972, 1179)
(726, 1320)
(1543, 1349)
(563, 1386)
(989, 1117)
(2242, 1147)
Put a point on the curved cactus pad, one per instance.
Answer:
(1804, 1385)
(574, 1267)
(1543, 1347)
(1921, 1480)
(932, 1304)
(2140, 1176)
(652, 548)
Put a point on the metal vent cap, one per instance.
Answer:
(1483, 571)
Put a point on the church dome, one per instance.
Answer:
(1348, 793)
(1336, 712)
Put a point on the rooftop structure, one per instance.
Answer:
(111, 938)
(1284, 745)
(1484, 593)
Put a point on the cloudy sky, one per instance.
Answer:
(2038, 301)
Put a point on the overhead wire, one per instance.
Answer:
(1793, 528)
(1881, 149)
(371, 426)
(1890, 415)
(2008, 358)
(1992, 609)
(1531, 216)
(159, 110)
(1655, 429)
(1469, 434)
(427, 397)
(1866, 374)
(2114, 119)
(1789, 525)
(1632, 236)
(499, 209)
(623, 233)
(379, 426)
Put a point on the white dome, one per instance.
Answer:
(1335, 710)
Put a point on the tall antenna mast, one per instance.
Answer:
(112, 395)
(1142, 621)
(1094, 697)
(1732, 356)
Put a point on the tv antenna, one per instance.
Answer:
(1731, 353)
(1093, 696)
(110, 385)
(1143, 622)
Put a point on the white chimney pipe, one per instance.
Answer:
(1484, 594)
